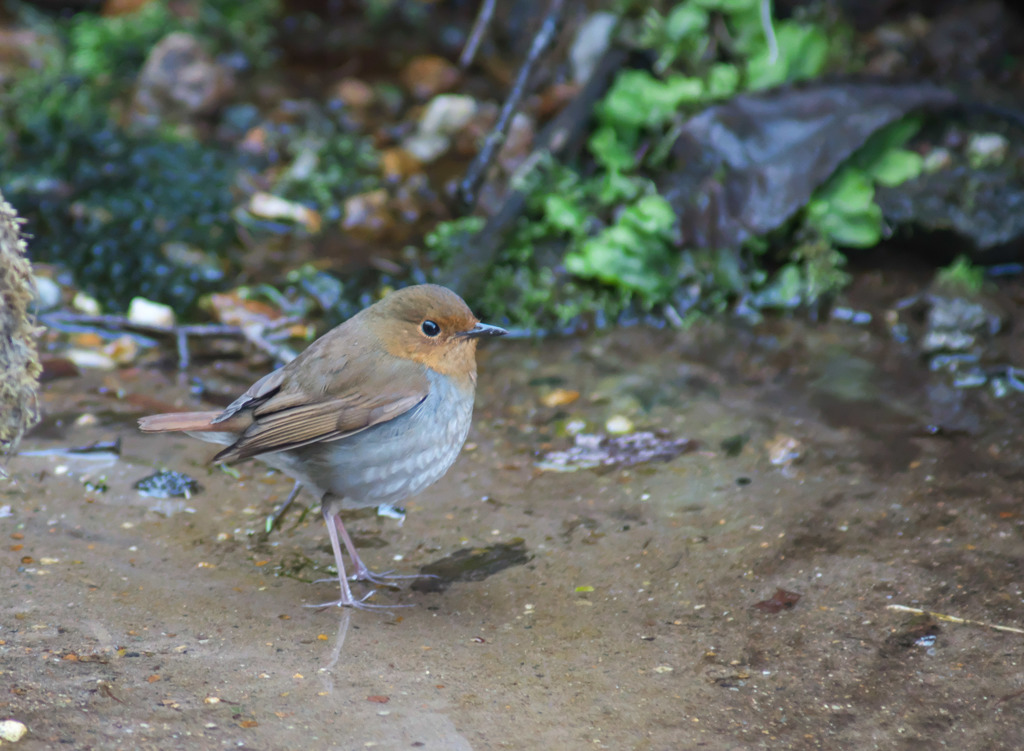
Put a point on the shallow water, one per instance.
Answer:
(620, 615)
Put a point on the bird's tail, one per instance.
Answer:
(189, 422)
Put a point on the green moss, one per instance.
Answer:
(19, 362)
(134, 204)
(108, 47)
(961, 277)
(103, 49)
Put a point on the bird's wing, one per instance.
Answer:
(324, 402)
(265, 388)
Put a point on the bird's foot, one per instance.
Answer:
(348, 601)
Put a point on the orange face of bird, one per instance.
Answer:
(431, 325)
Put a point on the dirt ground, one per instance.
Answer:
(631, 623)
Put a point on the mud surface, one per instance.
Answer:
(619, 609)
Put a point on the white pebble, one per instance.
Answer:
(12, 731)
(88, 359)
(148, 313)
(85, 304)
(619, 425)
(47, 293)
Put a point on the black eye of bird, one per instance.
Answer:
(430, 328)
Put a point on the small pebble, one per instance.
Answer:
(619, 425)
(87, 359)
(12, 731)
(427, 75)
(167, 484)
(784, 450)
(591, 42)
(47, 293)
(148, 313)
(443, 117)
(269, 206)
(986, 149)
(85, 304)
(937, 159)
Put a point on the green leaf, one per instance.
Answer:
(854, 230)
(611, 149)
(639, 100)
(564, 214)
(615, 188)
(805, 49)
(686, 20)
(849, 192)
(680, 90)
(892, 136)
(651, 215)
(962, 276)
(621, 256)
(803, 52)
(896, 167)
(761, 73)
(784, 291)
(723, 80)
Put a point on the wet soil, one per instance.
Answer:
(618, 607)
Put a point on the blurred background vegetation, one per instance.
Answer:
(305, 152)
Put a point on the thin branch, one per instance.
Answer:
(559, 139)
(255, 335)
(955, 619)
(476, 35)
(278, 513)
(470, 184)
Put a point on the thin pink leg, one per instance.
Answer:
(362, 573)
(346, 594)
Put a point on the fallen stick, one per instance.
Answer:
(954, 619)
(255, 335)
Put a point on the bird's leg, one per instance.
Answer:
(346, 594)
(362, 572)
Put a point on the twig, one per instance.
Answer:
(275, 517)
(121, 323)
(476, 35)
(180, 333)
(470, 184)
(560, 139)
(954, 619)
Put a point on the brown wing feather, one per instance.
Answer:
(311, 423)
(259, 392)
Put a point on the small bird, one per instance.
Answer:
(369, 414)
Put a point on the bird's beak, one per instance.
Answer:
(481, 330)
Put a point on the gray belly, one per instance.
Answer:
(390, 461)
